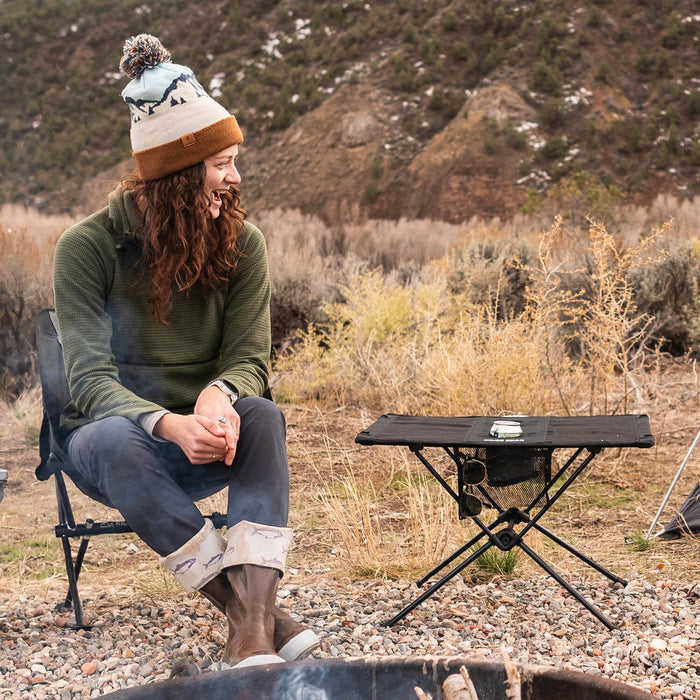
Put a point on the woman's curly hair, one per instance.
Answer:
(182, 245)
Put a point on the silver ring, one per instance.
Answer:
(222, 419)
(213, 455)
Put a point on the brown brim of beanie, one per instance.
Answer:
(188, 150)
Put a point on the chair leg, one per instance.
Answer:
(73, 571)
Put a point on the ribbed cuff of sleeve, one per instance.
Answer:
(148, 422)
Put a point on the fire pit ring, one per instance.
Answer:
(385, 678)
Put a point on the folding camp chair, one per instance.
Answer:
(55, 396)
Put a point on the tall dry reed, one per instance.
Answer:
(385, 521)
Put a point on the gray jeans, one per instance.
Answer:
(154, 486)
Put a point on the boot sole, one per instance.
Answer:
(300, 645)
(255, 660)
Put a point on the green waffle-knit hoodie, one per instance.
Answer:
(121, 361)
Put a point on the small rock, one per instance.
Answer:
(658, 644)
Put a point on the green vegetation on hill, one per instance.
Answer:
(614, 84)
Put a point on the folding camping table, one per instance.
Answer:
(511, 475)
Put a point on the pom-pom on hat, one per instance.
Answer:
(174, 122)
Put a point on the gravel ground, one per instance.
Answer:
(657, 649)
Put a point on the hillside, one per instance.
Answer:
(414, 108)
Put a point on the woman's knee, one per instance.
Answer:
(263, 431)
(260, 412)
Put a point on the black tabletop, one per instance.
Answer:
(537, 431)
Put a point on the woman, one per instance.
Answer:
(162, 301)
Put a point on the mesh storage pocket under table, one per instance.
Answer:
(514, 478)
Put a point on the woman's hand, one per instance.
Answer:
(215, 404)
(201, 438)
(210, 434)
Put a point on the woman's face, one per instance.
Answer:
(220, 174)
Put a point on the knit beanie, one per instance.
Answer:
(174, 123)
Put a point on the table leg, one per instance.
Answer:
(426, 594)
(565, 584)
(570, 548)
(450, 559)
(503, 517)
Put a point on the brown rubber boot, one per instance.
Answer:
(292, 640)
(218, 591)
(249, 615)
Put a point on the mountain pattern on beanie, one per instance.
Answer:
(174, 122)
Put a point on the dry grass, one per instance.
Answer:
(399, 339)
(42, 229)
(386, 525)
(293, 236)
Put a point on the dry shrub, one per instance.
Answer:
(303, 270)
(416, 348)
(658, 262)
(371, 344)
(429, 346)
(490, 272)
(485, 366)
(636, 222)
(582, 195)
(27, 241)
(310, 261)
(668, 289)
(25, 284)
(597, 319)
(390, 245)
(401, 245)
